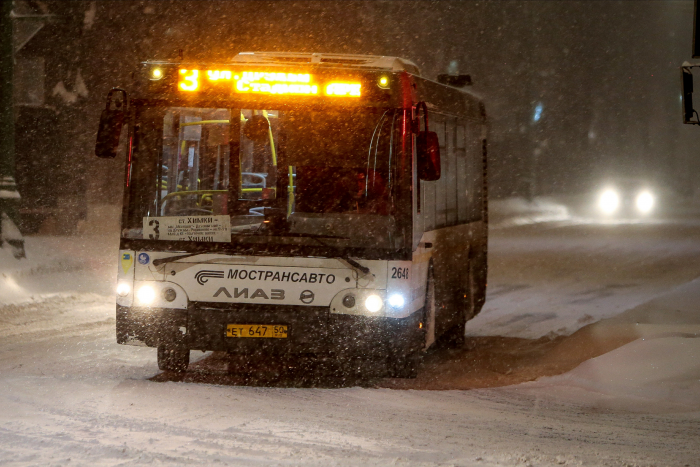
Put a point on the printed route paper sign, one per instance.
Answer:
(188, 228)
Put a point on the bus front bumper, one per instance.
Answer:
(311, 330)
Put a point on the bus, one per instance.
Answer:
(288, 204)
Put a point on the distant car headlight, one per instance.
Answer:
(645, 202)
(123, 289)
(609, 201)
(373, 303)
(396, 301)
(146, 295)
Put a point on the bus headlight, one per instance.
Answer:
(396, 301)
(123, 289)
(373, 303)
(645, 202)
(609, 201)
(146, 295)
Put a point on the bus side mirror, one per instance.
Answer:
(427, 149)
(111, 123)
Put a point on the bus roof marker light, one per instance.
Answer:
(383, 82)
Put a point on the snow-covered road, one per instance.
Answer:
(604, 318)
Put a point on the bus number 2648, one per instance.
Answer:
(399, 273)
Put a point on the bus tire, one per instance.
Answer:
(454, 337)
(173, 359)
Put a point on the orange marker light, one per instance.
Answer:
(189, 80)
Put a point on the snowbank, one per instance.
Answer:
(659, 371)
(58, 265)
(519, 211)
(648, 375)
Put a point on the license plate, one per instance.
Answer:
(275, 331)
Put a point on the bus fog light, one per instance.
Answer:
(169, 294)
(123, 289)
(373, 303)
(396, 301)
(349, 301)
(146, 295)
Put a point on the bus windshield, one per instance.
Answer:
(281, 173)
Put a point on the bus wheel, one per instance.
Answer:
(173, 359)
(454, 337)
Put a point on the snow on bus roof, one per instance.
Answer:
(380, 62)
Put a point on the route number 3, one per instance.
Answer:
(399, 273)
(156, 231)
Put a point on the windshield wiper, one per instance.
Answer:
(350, 261)
(355, 264)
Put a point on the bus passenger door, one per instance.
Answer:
(421, 246)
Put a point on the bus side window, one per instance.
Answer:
(450, 173)
(476, 173)
(428, 205)
(463, 175)
(437, 122)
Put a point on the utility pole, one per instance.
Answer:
(9, 196)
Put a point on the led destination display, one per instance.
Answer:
(268, 83)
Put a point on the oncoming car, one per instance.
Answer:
(627, 197)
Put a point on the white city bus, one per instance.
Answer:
(291, 203)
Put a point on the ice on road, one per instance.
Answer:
(596, 323)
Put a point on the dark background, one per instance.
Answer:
(605, 73)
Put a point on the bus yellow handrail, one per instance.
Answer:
(209, 192)
(272, 141)
(193, 192)
(205, 122)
